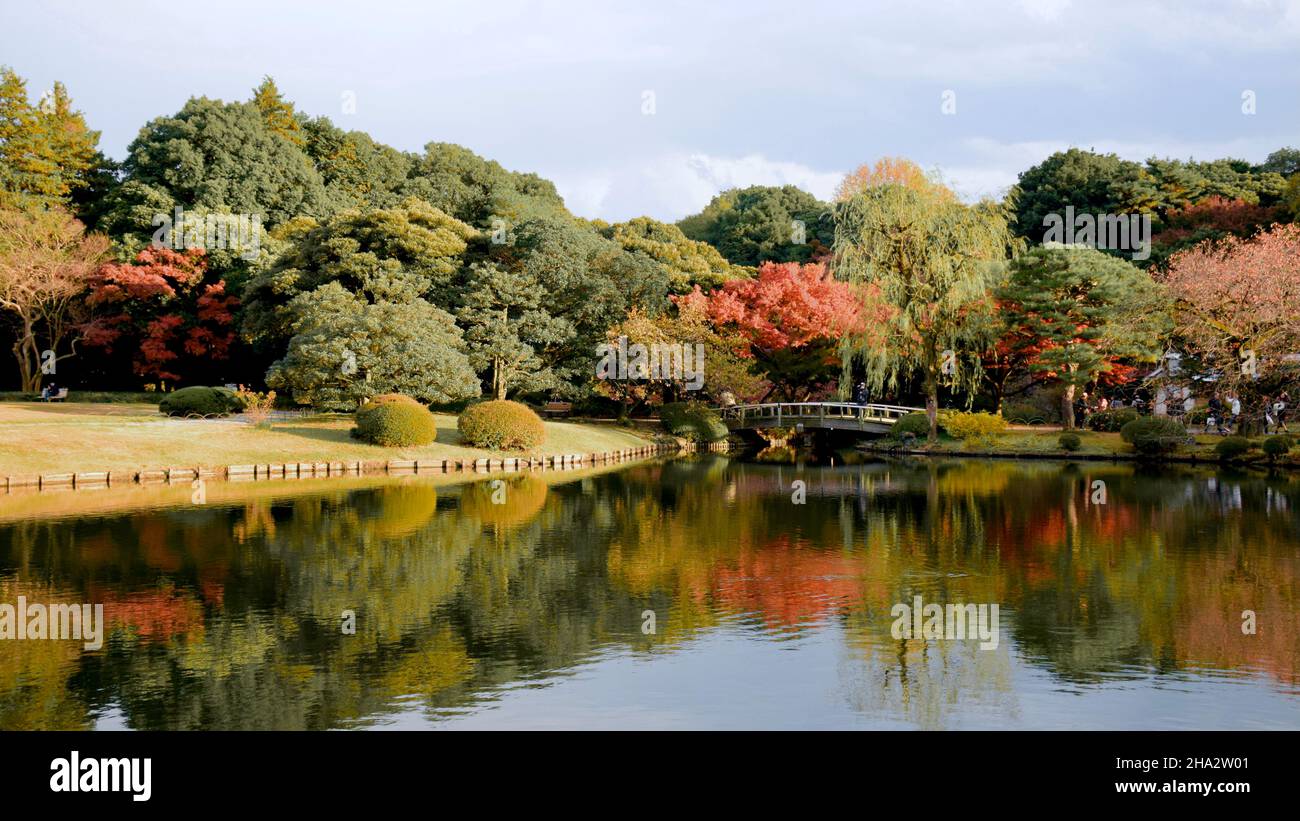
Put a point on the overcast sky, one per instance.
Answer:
(743, 92)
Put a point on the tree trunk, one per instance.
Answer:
(498, 381)
(1067, 407)
(932, 406)
(29, 360)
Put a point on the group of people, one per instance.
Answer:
(1223, 413)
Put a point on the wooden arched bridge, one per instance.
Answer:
(814, 415)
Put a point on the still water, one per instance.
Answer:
(696, 593)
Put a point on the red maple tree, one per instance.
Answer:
(793, 317)
(164, 306)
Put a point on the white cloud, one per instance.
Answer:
(671, 186)
(1046, 10)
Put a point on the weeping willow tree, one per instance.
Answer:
(931, 261)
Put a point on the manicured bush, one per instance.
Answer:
(200, 401)
(692, 421)
(916, 423)
(1153, 435)
(1231, 447)
(1275, 446)
(500, 424)
(385, 398)
(1069, 441)
(982, 426)
(1110, 421)
(396, 424)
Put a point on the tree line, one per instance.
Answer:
(331, 267)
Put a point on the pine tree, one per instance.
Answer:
(46, 151)
(505, 323)
(278, 112)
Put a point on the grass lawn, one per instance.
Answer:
(76, 436)
(1044, 442)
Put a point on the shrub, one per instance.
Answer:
(1154, 434)
(200, 401)
(1231, 447)
(396, 424)
(1023, 413)
(500, 424)
(1275, 446)
(982, 426)
(257, 406)
(1110, 421)
(916, 423)
(386, 398)
(1069, 441)
(692, 421)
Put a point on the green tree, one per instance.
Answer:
(213, 156)
(396, 255)
(346, 349)
(478, 191)
(1284, 161)
(1090, 182)
(589, 282)
(932, 260)
(505, 323)
(1072, 303)
(47, 154)
(688, 262)
(750, 226)
(357, 171)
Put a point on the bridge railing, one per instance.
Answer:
(778, 413)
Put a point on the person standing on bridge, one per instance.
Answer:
(860, 393)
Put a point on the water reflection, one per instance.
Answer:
(522, 601)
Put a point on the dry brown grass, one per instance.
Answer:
(76, 437)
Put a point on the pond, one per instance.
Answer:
(703, 592)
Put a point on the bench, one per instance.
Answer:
(61, 396)
(557, 409)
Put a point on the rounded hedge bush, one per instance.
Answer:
(693, 422)
(916, 423)
(396, 424)
(1069, 441)
(1231, 447)
(1111, 421)
(1153, 435)
(386, 398)
(1275, 446)
(200, 401)
(500, 424)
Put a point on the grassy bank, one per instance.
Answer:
(76, 436)
(1030, 442)
(115, 397)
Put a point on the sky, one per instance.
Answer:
(652, 107)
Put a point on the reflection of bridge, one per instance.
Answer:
(824, 415)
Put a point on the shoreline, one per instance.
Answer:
(94, 480)
(1289, 464)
